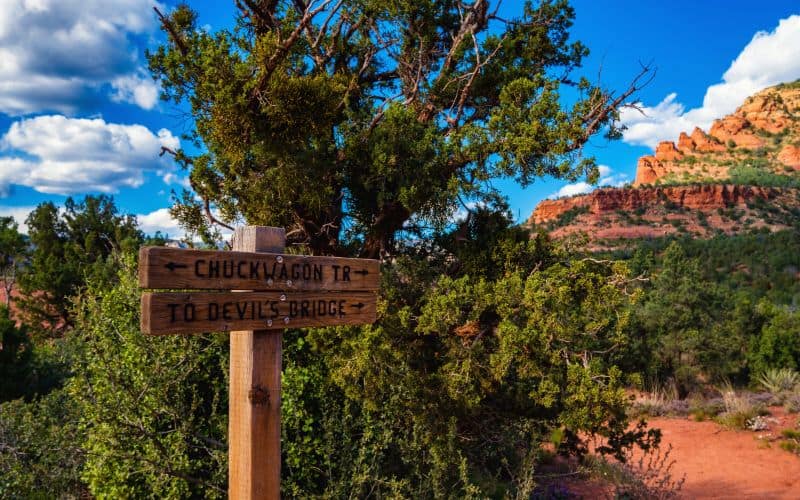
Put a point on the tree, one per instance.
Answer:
(15, 356)
(681, 320)
(349, 122)
(68, 247)
(13, 250)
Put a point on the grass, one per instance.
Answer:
(740, 411)
(791, 441)
(658, 400)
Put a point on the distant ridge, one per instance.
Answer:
(743, 174)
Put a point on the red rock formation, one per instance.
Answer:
(666, 151)
(737, 129)
(685, 143)
(769, 110)
(648, 171)
(790, 156)
(709, 156)
(704, 143)
(706, 197)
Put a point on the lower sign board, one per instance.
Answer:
(193, 312)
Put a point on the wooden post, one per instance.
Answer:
(254, 414)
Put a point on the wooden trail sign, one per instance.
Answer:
(161, 267)
(268, 291)
(192, 312)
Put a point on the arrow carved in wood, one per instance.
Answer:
(362, 272)
(172, 266)
(360, 305)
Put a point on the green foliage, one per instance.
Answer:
(683, 337)
(452, 392)
(758, 173)
(13, 253)
(153, 409)
(716, 309)
(778, 345)
(377, 121)
(788, 85)
(40, 448)
(70, 247)
(486, 244)
(569, 216)
(29, 369)
(16, 354)
(777, 380)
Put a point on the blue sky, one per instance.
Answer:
(79, 113)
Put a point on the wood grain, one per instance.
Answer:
(254, 406)
(162, 267)
(198, 312)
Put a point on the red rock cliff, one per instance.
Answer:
(609, 200)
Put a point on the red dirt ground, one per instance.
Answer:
(722, 463)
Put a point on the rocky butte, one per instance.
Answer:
(743, 174)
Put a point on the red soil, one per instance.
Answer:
(717, 462)
(722, 463)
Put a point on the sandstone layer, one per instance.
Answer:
(700, 197)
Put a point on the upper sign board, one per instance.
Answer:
(171, 268)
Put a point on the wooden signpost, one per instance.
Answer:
(257, 292)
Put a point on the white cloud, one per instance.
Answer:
(59, 155)
(607, 178)
(137, 89)
(573, 189)
(770, 58)
(57, 54)
(160, 220)
(19, 213)
(170, 178)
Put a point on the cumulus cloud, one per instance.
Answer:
(607, 178)
(137, 89)
(19, 213)
(770, 58)
(57, 54)
(160, 220)
(573, 189)
(59, 155)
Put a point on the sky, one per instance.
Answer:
(80, 114)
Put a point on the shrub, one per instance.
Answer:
(41, 453)
(758, 173)
(777, 380)
(792, 403)
(649, 476)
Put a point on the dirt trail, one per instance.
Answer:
(722, 463)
